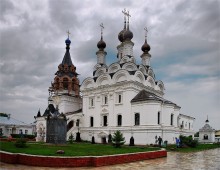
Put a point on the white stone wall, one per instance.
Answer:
(41, 129)
(210, 134)
(7, 129)
(127, 48)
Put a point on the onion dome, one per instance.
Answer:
(121, 35)
(145, 47)
(101, 44)
(128, 35)
(68, 42)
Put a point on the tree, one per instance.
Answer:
(118, 139)
(196, 134)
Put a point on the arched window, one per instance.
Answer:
(77, 122)
(119, 98)
(171, 120)
(65, 83)
(206, 137)
(105, 120)
(137, 119)
(91, 121)
(105, 100)
(158, 118)
(119, 120)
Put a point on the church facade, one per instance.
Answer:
(124, 95)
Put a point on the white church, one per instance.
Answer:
(124, 95)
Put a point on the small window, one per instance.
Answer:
(158, 118)
(91, 102)
(119, 120)
(77, 122)
(105, 100)
(119, 98)
(206, 137)
(137, 119)
(26, 132)
(189, 126)
(105, 120)
(91, 121)
(171, 120)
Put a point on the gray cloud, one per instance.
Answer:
(184, 38)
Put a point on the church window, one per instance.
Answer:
(20, 131)
(77, 122)
(189, 126)
(182, 125)
(118, 98)
(105, 120)
(91, 102)
(158, 118)
(26, 132)
(119, 120)
(206, 137)
(65, 83)
(171, 119)
(105, 100)
(91, 121)
(137, 119)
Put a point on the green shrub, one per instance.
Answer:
(24, 136)
(20, 143)
(71, 139)
(118, 139)
(187, 140)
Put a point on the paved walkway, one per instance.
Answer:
(205, 160)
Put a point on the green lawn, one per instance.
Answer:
(75, 149)
(200, 147)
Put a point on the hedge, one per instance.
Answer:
(24, 136)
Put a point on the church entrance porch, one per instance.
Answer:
(103, 135)
(104, 140)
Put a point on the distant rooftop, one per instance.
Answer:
(11, 121)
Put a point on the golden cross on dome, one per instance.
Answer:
(102, 27)
(68, 33)
(145, 32)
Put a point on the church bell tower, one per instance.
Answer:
(65, 86)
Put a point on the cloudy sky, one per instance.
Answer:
(184, 37)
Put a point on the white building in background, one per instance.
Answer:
(207, 133)
(123, 96)
(9, 125)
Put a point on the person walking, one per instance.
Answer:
(160, 141)
(177, 142)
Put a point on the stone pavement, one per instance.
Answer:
(205, 160)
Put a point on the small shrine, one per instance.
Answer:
(206, 133)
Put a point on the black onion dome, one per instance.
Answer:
(145, 47)
(128, 35)
(121, 35)
(101, 44)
